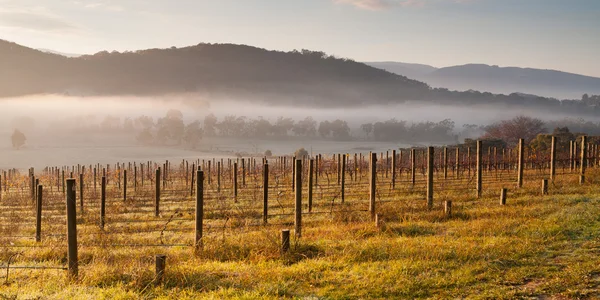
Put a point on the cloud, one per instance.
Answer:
(376, 5)
(366, 4)
(36, 19)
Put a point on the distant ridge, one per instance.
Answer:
(228, 71)
(504, 80)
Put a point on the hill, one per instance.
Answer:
(304, 77)
(503, 80)
(300, 78)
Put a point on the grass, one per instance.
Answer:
(535, 247)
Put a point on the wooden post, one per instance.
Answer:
(161, 261)
(298, 207)
(311, 165)
(81, 191)
(445, 163)
(72, 229)
(124, 185)
(102, 202)
(583, 162)
(413, 166)
(393, 169)
(430, 153)
(285, 241)
(95, 178)
(457, 162)
(521, 163)
(244, 171)
(372, 184)
(157, 193)
(265, 192)
(469, 162)
(339, 167)
(235, 183)
(343, 174)
(553, 159)
(199, 208)
(38, 215)
(448, 208)
(479, 167)
(571, 155)
(503, 196)
(544, 186)
(218, 177)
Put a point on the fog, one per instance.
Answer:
(53, 138)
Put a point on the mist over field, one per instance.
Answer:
(59, 128)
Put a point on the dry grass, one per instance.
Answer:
(538, 247)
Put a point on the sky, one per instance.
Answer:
(547, 34)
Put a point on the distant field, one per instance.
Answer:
(104, 149)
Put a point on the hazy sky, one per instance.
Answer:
(548, 34)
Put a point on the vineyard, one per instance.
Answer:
(443, 222)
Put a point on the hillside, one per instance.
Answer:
(305, 77)
(502, 80)
(300, 78)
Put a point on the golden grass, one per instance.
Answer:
(534, 247)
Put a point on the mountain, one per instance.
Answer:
(228, 71)
(59, 53)
(414, 71)
(504, 80)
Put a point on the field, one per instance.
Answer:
(539, 245)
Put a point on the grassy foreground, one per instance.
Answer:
(538, 247)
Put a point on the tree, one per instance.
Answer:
(300, 153)
(210, 125)
(171, 127)
(306, 127)
(145, 137)
(18, 139)
(367, 128)
(340, 129)
(514, 129)
(268, 153)
(324, 129)
(193, 134)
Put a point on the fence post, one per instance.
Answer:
(583, 163)
(448, 208)
(157, 193)
(125, 185)
(218, 177)
(102, 202)
(311, 169)
(298, 208)
(81, 191)
(161, 261)
(479, 168)
(457, 162)
(265, 192)
(372, 184)
(235, 181)
(445, 163)
(393, 169)
(413, 166)
(72, 229)
(285, 241)
(430, 157)
(343, 174)
(199, 208)
(503, 196)
(544, 186)
(521, 163)
(38, 215)
(553, 159)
